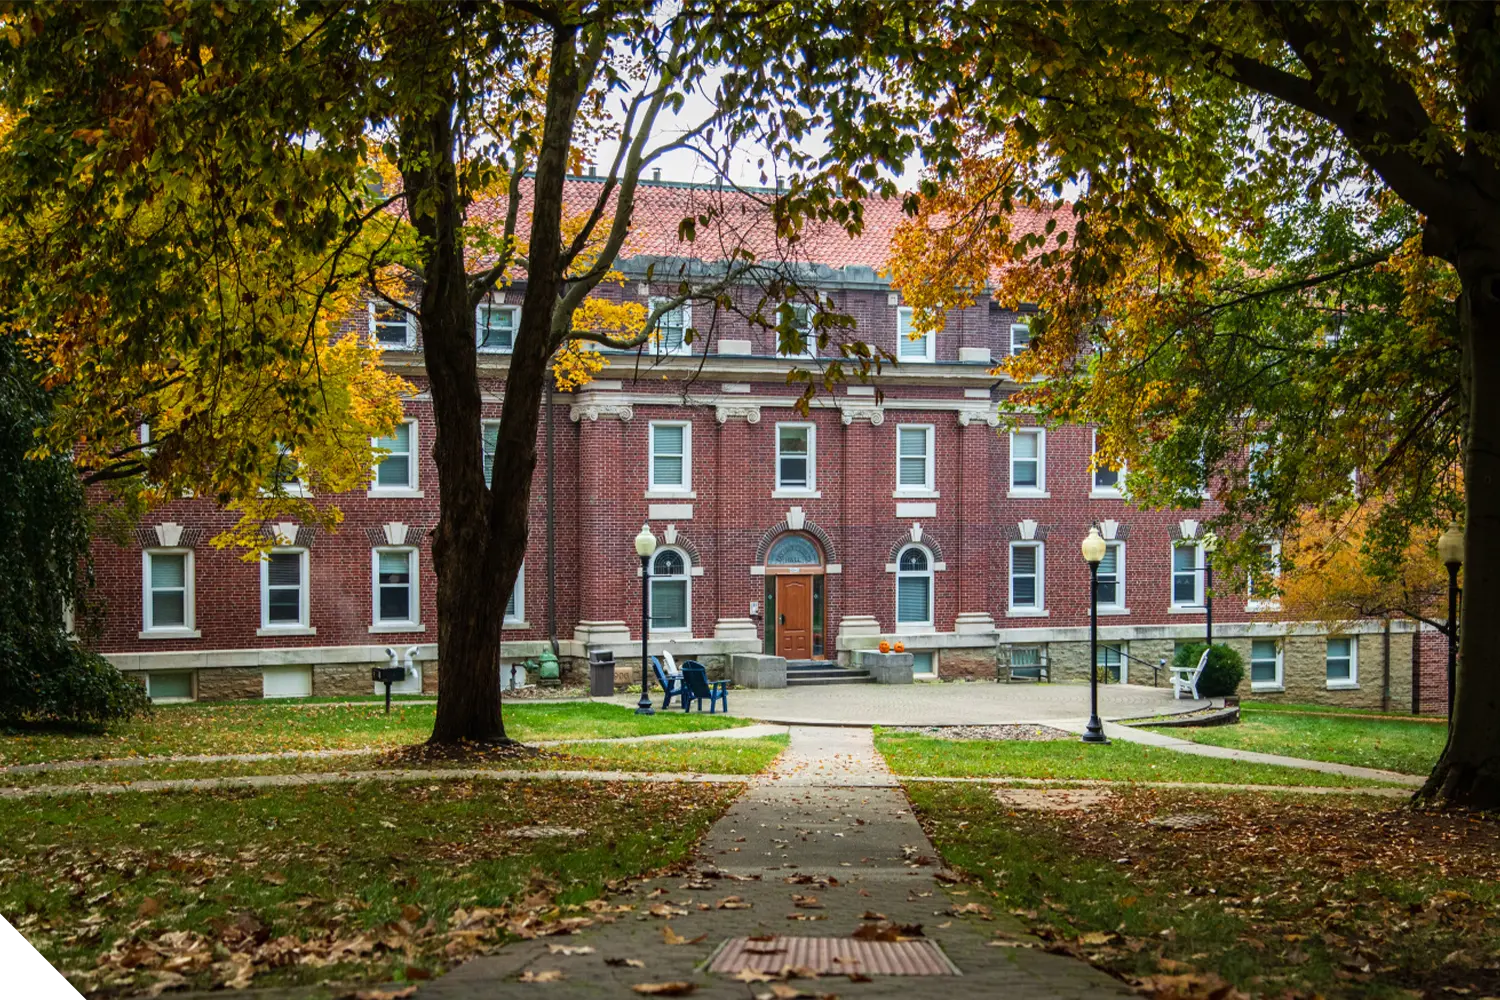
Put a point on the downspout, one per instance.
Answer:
(1385, 670)
(551, 521)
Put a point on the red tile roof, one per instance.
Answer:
(739, 219)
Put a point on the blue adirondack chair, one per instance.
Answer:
(698, 686)
(671, 685)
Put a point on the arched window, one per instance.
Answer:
(670, 590)
(913, 587)
(794, 550)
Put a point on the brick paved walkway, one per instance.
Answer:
(828, 811)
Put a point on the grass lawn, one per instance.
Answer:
(911, 754)
(1280, 895)
(357, 883)
(704, 756)
(1411, 747)
(261, 726)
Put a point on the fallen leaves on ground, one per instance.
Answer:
(543, 976)
(669, 936)
(670, 989)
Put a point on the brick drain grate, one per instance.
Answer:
(831, 956)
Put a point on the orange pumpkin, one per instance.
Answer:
(885, 647)
(900, 647)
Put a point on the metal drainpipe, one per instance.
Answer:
(551, 522)
(1385, 670)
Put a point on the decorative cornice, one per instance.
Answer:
(169, 535)
(290, 533)
(396, 533)
(807, 527)
(593, 411)
(1028, 531)
(917, 535)
(874, 414)
(726, 412)
(967, 417)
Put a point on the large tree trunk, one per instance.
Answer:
(480, 541)
(1468, 773)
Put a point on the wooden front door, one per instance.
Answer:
(794, 617)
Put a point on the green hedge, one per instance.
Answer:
(1222, 674)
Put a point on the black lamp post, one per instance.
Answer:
(645, 545)
(1210, 542)
(1093, 553)
(1451, 551)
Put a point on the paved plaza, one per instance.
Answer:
(975, 703)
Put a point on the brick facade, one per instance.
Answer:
(731, 392)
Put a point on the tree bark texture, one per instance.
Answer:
(1468, 773)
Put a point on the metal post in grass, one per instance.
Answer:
(645, 545)
(1210, 542)
(1451, 552)
(1093, 552)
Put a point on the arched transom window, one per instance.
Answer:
(670, 590)
(914, 586)
(794, 550)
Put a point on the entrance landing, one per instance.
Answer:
(960, 703)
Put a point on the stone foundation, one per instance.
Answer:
(230, 683)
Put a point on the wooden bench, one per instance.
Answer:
(1185, 679)
(1036, 670)
(698, 687)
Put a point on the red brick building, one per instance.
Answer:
(909, 515)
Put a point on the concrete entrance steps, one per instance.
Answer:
(807, 673)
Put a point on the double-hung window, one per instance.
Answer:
(671, 597)
(1265, 665)
(1112, 577)
(286, 475)
(796, 457)
(392, 326)
(1109, 662)
(914, 472)
(397, 471)
(167, 605)
(515, 605)
(672, 328)
(671, 456)
(1020, 337)
(1028, 462)
(1342, 662)
(1187, 575)
(495, 327)
(283, 590)
(802, 321)
(913, 588)
(1107, 482)
(489, 440)
(1026, 569)
(912, 344)
(396, 587)
(1261, 585)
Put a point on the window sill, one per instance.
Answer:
(796, 494)
(1343, 685)
(1114, 611)
(915, 495)
(914, 360)
(659, 493)
(514, 625)
(1262, 605)
(170, 633)
(1106, 495)
(1186, 609)
(495, 350)
(1267, 689)
(1028, 613)
(286, 630)
(384, 627)
(395, 492)
(1025, 494)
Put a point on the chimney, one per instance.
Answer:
(656, 173)
(591, 169)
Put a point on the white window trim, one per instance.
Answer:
(412, 623)
(515, 327)
(298, 487)
(686, 486)
(1040, 489)
(1011, 347)
(1040, 610)
(1196, 604)
(1269, 603)
(811, 489)
(188, 629)
(1097, 492)
(1279, 684)
(302, 627)
(1118, 607)
(1352, 684)
(412, 489)
(929, 339)
(518, 620)
(931, 576)
(658, 347)
(411, 327)
(687, 598)
(192, 686)
(929, 489)
(809, 336)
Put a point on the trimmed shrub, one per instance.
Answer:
(1221, 675)
(59, 682)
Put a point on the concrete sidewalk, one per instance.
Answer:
(814, 849)
(1130, 734)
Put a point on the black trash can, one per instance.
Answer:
(601, 673)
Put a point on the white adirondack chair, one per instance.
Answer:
(1185, 679)
(669, 665)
